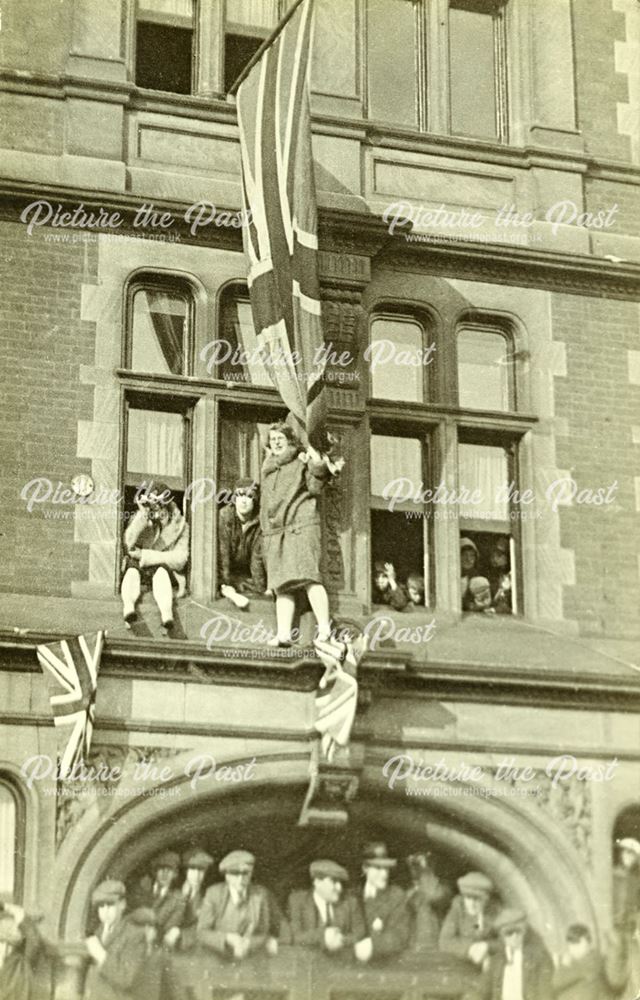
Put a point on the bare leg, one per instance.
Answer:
(130, 592)
(319, 601)
(163, 594)
(285, 608)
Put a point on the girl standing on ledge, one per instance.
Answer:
(292, 480)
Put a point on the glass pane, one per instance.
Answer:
(484, 370)
(241, 451)
(236, 356)
(158, 334)
(394, 459)
(472, 73)
(155, 445)
(395, 358)
(8, 841)
(391, 40)
(253, 13)
(483, 470)
(175, 10)
(333, 64)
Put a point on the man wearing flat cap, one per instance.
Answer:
(384, 906)
(196, 864)
(520, 969)
(324, 917)
(234, 917)
(626, 884)
(120, 949)
(468, 924)
(159, 894)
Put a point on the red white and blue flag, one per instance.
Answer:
(71, 669)
(280, 231)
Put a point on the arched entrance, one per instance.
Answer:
(528, 857)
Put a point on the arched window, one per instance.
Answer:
(399, 358)
(159, 327)
(11, 836)
(485, 368)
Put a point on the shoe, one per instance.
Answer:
(130, 616)
(167, 625)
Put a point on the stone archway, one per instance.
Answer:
(528, 856)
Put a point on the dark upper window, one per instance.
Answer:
(165, 45)
(247, 24)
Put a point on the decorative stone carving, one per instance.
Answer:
(331, 788)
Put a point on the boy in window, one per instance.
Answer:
(387, 590)
(156, 552)
(499, 576)
(242, 569)
(468, 569)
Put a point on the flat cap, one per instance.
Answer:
(375, 854)
(475, 882)
(168, 859)
(238, 861)
(143, 916)
(197, 859)
(328, 869)
(629, 844)
(509, 919)
(109, 891)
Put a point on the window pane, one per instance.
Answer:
(334, 68)
(241, 451)
(484, 469)
(395, 360)
(484, 370)
(158, 334)
(253, 13)
(472, 72)
(236, 355)
(8, 841)
(164, 45)
(394, 458)
(391, 41)
(155, 445)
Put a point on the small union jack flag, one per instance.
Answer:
(71, 669)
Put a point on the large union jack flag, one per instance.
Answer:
(280, 237)
(71, 669)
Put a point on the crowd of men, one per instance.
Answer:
(376, 923)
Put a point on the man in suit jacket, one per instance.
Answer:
(385, 908)
(120, 949)
(520, 969)
(158, 893)
(234, 918)
(321, 917)
(196, 864)
(581, 973)
(468, 924)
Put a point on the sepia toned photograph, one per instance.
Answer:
(320, 500)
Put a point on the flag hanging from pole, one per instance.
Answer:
(280, 230)
(71, 670)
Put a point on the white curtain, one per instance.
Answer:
(155, 443)
(483, 468)
(395, 458)
(182, 9)
(7, 843)
(253, 13)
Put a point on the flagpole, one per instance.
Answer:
(257, 56)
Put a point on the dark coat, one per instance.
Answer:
(306, 924)
(220, 916)
(387, 920)
(290, 520)
(626, 896)
(422, 900)
(188, 936)
(241, 557)
(166, 545)
(19, 971)
(396, 599)
(459, 930)
(127, 971)
(537, 973)
(169, 910)
(582, 980)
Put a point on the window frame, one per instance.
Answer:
(167, 283)
(487, 323)
(9, 782)
(501, 88)
(396, 311)
(168, 20)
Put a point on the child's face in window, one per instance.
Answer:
(467, 559)
(482, 599)
(499, 559)
(381, 581)
(278, 443)
(415, 596)
(243, 503)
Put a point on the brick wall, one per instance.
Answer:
(42, 344)
(597, 27)
(600, 406)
